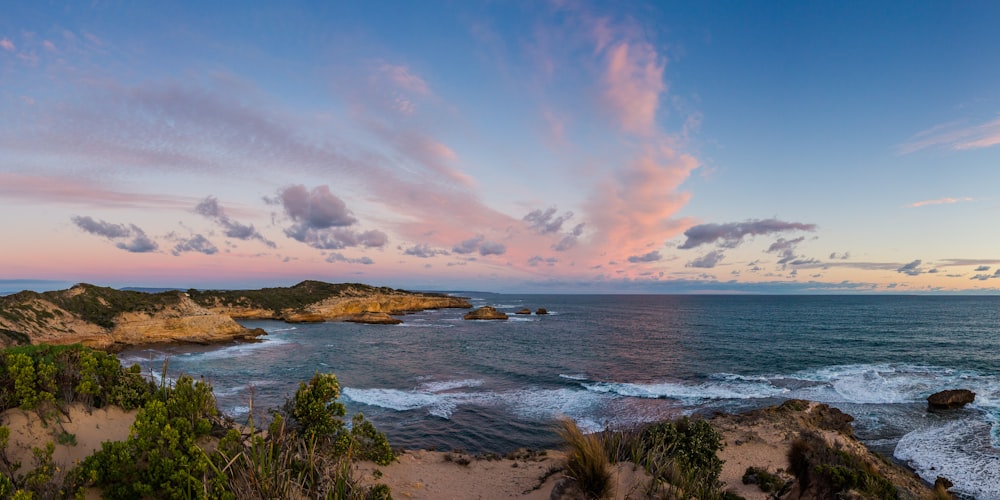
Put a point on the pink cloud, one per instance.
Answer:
(47, 189)
(939, 201)
(634, 81)
(633, 209)
(7, 45)
(402, 77)
(955, 136)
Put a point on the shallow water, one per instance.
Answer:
(438, 381)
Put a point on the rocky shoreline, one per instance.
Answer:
(109, 319)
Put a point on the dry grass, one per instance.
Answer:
(586, 460)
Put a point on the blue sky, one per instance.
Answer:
(533, 146)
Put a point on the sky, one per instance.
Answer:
(525, 146)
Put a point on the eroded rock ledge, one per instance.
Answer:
(106, 318)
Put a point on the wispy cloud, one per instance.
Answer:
(83, 192)
(955, 136)
(7, 45)
(939, 201)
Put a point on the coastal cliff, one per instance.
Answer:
(313, 301)
(106, 318)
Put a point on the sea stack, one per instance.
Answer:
(485, 312)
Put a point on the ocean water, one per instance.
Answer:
(437, 381)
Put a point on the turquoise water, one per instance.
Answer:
(439, 381)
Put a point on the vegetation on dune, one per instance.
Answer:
(835, 473)
(95, 304)
(278, 300)
(680, 457)
(178, 446)
(45, 375)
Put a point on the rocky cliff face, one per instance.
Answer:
(85, 315)
(106, 318)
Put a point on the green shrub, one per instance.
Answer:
(828, 471)
(33, 374)
(160, 458)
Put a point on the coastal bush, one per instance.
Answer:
(833, 473)
(161, 458)
(307, 451)
(680, 455)
(34, 374)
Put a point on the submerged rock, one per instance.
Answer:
(485, 312)
(953, 398)
(374, 318)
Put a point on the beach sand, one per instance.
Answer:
(88, 428)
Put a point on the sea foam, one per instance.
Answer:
(958, 450)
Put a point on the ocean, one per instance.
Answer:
(437, 381)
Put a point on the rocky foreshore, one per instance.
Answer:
(105, 318)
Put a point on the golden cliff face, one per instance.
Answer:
(106, 318)
(184, 322)
(46, 323)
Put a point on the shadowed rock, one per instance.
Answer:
(541, 310)
(524, 311)
(953, 398)
(374, 318)
(485, 312)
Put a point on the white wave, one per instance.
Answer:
(958, 450)
(279, 330)
(888, 384)
(577, 376)
(447, 385)
(547, 404)
(691, 393)
(519, 318)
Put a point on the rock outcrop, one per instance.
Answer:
(315, 301)
(106, 318)
(524, 311)
(485, 312)
(374, 318)
(811, 448)
(541, 311)
(954, 398)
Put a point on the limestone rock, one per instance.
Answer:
(541, 311)
(306, 317)
(523, 311)
(953, 398)
(374, 318)
(485, 312)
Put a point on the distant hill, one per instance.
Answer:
(107, 318)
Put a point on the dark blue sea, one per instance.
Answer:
(437, 381)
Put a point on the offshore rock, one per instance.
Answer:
(485, 312)
(523, 311)
(954, 398)
(541, 311)
(374, 318)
